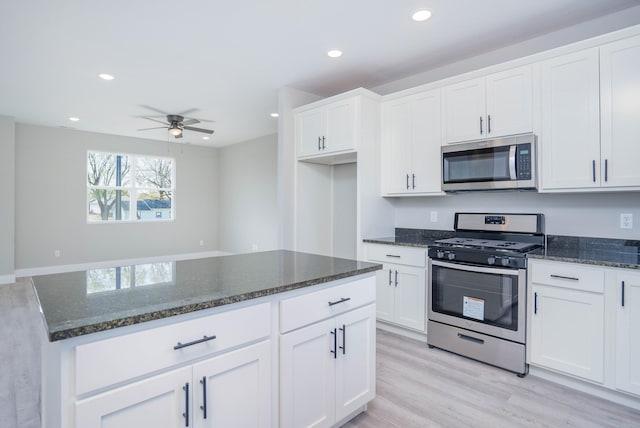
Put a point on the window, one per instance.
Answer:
(124, 187)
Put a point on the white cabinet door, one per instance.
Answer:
(425, 143)
(340, 131)
(310, 128)
(355, 365)
(307, 376)
(570, 135)
(627, 324)
(465, 108)
(237, 387)
(159, 402)
(385, 293)
(410, 297)
(567, 331)
(620, 106)
(397, 140)
(509, 102)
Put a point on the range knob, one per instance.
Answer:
(505, 261)
(451, 256)
(491, 260)
(440, 254)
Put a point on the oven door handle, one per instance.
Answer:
(480, 269)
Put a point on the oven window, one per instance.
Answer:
(477, 165)
(487, 298)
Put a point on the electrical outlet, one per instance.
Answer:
(626, 221)
(434, 216)
(202, 243)
(56, 253)
(254, 247)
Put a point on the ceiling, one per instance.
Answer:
(228, 59)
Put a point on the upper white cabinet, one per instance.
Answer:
(411, 140)
(327, 129)
(627, 284)
(492, 106)
(620, 109)
(590, 110)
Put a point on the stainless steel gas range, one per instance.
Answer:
(478, 287)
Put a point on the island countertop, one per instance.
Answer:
(79, 303)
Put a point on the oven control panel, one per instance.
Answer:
(477, 257)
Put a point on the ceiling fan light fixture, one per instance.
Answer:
(175, 130)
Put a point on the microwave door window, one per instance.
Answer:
(477, 165)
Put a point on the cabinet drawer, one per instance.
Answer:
(398, 255)
(110, 361)
(303, 310)
(568, 275)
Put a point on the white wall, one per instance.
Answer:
(7, 198)
(248, 203)
(594, 214)
(51, 201)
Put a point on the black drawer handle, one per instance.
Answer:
(344, 299)
(471, 339)
(195, 342)
(570, 278)
(393, 255)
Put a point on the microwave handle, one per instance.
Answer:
(512, 162)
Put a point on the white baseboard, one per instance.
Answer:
(401, 331)
(47, 270)
(7, 279)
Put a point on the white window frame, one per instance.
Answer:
(132, 189)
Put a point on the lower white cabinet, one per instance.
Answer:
(206, 394)
(327, 369)
(627, 285)
(401, 292)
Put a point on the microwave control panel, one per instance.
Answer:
(523, 161)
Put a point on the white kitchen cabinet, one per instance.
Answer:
(620, 110)
(401, 286)
(567, 307)
(492, 106)
(411, 139)
(327, 129)
(570, 134)
(627, 324)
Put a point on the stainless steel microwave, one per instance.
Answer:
(505, 163)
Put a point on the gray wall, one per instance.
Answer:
(248, 204)
(593, 214)
(7, 198)
(51, 200)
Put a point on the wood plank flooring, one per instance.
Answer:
(422, 387)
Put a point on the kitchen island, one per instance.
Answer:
(278, 338)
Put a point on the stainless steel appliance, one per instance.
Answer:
(478, 287)
(505, 163)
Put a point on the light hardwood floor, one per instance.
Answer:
(422, 387)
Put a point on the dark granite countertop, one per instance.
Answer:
(620, 253)
(421, 238)
(78, 303)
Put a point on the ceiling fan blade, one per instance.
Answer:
(191, 128)
(186, 112)
(157, 127)
(156, 120)
(190, 122)
(203, 120)
(153, 109)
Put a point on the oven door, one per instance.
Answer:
(483, 299)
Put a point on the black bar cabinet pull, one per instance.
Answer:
(535, 303)
(471, 339)
(396, 278)
(203, 382)
(593, 168)
(323, 147)
(606, 170)
(393, 255)
(623, 294)
(344, 299)
(344, 335)
(335, 344)
(570, 278)
(185, 388)
(480, 125)
(413, 180)
(407, 181)
(319, 146)
(489, 124)
(390, 277)
(195, 342)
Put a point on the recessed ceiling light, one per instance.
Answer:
(205, 138)
(106, 76)
(334, 53)
(421, 15)
(74, 119)
(274, 115)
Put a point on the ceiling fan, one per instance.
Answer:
(176, 123)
